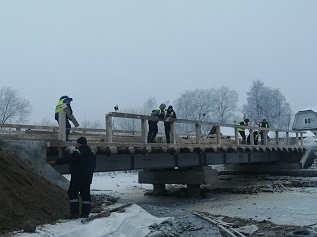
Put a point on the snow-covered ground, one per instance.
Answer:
(133, 222)
(294, 206)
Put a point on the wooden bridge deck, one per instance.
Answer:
(186, 160)
(113, 142)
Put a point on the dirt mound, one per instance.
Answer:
(25, 196)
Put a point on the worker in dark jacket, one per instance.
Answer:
(169, 113)
(263, 124)
(153, 128)
(83, 163)
(64, 100)
(241, 130)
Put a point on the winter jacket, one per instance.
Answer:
(243, 123)
(169, 113)
(159, 112)
(264, 124)
(83, 164)
(63, 100)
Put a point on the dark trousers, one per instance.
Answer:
(263, 137)
(242, 133)
(153, 130)
(73, 191)
(167, 127)
(256, 140)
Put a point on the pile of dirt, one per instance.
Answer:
(26, 197)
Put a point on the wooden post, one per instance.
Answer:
(109, 131)
(287, 138)
(251, 136)
(198, 132)
(276, 137)
(297, 140)
(265, 141)
(236, 135)
(218, 135)
(301, 139)
(62, 126)
(173, 140)
(143, 130)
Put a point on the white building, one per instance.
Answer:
(306, 120)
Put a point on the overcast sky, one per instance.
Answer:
(103, 53)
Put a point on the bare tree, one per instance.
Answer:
(135, 124)
(148, 106)
(194, 104)
(13, 108)
(125, 123)
(46, 122)
(86, 123)
(264, 102)
(224, 105)
(216, 105)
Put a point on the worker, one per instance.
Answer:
(263, 124)
(64, 100)
(169, 113)
(241, 130)
(153, 128)
(83, 163)
(255, 138)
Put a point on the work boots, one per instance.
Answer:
(74, 210)
(85, 209)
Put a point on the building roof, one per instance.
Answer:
(314, 109)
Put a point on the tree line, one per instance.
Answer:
(218, 105)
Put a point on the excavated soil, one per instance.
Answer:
(26, 197)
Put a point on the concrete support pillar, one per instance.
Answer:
(192, 177)
(193, 190)
(159, 189)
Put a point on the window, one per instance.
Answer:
(307, 120)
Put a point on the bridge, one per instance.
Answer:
(187, 159)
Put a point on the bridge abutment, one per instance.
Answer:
(192, 177)
(33, 153)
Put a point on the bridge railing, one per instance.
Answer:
(39, 132)
(111, 135)
(280, 136)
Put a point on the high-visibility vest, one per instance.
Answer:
(244, 123)
(159, 114)
(168, 114)
(77, 150)
(58, 107)
(256, 136)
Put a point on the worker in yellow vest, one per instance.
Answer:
(153, 128)
(241, 130)
(263, 124)
(64, 100)
(169, 113)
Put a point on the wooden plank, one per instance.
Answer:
(70, 115)
(109, 128)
